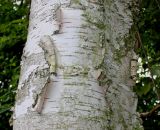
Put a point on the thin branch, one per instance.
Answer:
(157, 4)
(145, 114)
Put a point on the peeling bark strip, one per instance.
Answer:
(49, 49)
(50, 56)
(58, 17)
(39, 100)
(134, 62)
(90, 88)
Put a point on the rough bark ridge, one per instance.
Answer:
(120, 41)
(85, 83)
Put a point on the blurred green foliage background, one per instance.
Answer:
(148, 84)
(13, 32)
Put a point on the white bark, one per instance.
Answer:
(91, 90)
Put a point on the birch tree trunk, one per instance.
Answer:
(75, 69)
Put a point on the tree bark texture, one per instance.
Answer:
(75, 69)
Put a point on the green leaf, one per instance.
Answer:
(5, 108)
(144, 89)
(147, 88)
(156, 70)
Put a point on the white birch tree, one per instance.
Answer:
(75, 69)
